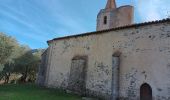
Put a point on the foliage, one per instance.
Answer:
(16, 58)
(7, 46)
(27, 65)
(32, 92)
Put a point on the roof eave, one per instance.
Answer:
(112, 29)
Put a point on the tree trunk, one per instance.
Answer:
(7, 75)
(24, 77)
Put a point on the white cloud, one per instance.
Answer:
(150, 10)
(56, 9)
(21, 21)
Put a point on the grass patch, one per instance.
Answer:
(32, 92)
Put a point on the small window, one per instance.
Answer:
(105, 20)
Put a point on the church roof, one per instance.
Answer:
(112, 29)
(111, 4)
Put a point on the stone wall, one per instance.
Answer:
(43, 68)
(145, 58)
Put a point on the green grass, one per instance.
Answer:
(32, 92)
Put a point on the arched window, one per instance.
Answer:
(145, 92)
(105, 20)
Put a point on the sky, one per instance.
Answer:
(33, 22)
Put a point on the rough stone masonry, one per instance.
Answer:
(129, 62)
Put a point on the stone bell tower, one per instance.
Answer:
(112, 17)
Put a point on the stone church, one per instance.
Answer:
(120, 60)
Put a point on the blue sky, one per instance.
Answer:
(33, 22)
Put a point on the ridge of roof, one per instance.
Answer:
(112, 29)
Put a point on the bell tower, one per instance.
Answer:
(112, 17)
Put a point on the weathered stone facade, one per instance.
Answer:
(43, 68)
(126, 63)
(143, 51)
